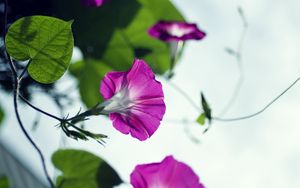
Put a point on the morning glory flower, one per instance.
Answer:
(94, 3)
(134, 100)
(175, 31)
(169, 173)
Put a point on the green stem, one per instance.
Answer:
(16, 82)
(260, 111)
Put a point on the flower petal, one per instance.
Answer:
(111, 84)
(175, 31)
(93, 3)
(140, 125)
(134, 100)
(167, 174)
(154, 107)
(119, 123)
(141, 82)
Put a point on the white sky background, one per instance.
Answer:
(260, 152)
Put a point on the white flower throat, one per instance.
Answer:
(175, 30)
(120, 102)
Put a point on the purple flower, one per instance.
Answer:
(94, 3)
(167, 174)
(134, 100)
(175, 31)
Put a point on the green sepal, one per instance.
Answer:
(201, 119)
(206, 108)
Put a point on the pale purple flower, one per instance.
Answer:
(94, 3)
(169, 173)
(134, 100)
(175, 31)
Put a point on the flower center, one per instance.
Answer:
(120, 102)
(175, 30)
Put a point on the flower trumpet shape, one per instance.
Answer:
(134, 100)
(169, 173)
(93, 3)
(175, 31)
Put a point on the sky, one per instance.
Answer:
(259, 152)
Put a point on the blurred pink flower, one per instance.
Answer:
(167, 174)
(175, 31)
(94, 3)
(134, 100)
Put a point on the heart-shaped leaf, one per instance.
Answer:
(82, 169)
(47, 43)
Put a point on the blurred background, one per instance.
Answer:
(259, 152)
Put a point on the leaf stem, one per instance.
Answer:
(184, 94)
(38, 109)
(15, 97)
(260, 111)
(24, 71)
(16, 82)
(239, 59)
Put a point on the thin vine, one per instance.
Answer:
(16, 81)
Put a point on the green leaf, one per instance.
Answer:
(112, 35)
(206, 108)
(47, 43)
(89, 74)
(201, 119)
(1, 115)
(4, 182)
(82, 169)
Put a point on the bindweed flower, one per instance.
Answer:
(169, 173)
(175, 31)
(134, 100)
(93, 3)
